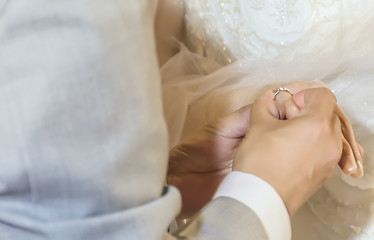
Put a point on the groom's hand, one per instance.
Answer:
(295, 156)
(198, 165)
(351, 162)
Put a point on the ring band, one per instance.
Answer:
(276, 92)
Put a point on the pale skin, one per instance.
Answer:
(351, 163)
(198, 165)
(300, 152)
(200, 162)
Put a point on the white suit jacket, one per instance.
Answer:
(83, 142)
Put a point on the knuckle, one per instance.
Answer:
(319, 84)
(329, 93)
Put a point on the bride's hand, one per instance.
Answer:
(199, 163)
(351, 162)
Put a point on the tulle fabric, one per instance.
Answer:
(197, 89)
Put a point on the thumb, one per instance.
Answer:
(264, 112)
(316, 102)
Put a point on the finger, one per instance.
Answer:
(286, 106)
(340, 141)
(360, 165)
(281, 98)
(361, 149)
(264, 111)
(360, 169)
(316, 102)
(292, 109)
(347, 162)
(234, 125)
(348, 133)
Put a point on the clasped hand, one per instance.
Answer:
(295, 156)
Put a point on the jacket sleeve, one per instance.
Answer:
(224, 218)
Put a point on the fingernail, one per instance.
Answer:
(359, 163)
(352, 168)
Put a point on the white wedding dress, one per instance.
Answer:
(237, 48)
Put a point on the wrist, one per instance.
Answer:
(262, 198)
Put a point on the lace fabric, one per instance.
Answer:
(227, 30)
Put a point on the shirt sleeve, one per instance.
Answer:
(262, 198)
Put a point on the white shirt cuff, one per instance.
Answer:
(262, 198)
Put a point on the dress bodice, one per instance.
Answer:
(226, 30)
